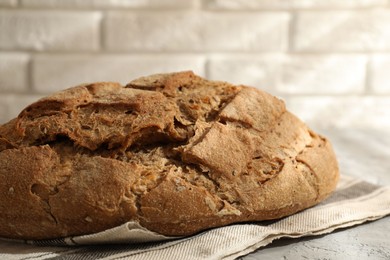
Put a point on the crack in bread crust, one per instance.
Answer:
(165, 150)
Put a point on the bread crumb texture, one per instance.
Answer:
(174, 152)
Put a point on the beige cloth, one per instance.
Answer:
(352, 203)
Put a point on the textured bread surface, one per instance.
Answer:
(175, 152)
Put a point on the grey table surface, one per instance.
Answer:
(363, 153)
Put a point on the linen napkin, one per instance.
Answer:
(353, 202)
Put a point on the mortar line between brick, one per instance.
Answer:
(48, 9)
(200, 7)
(334, 95)
(282, 9)
(208, 54)
(200, 52)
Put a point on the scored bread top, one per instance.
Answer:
(174, 152)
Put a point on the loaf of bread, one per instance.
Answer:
(175, 152)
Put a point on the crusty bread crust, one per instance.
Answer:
(174, 152)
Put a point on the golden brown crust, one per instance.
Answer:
(174, 152)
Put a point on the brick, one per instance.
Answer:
(337, 3)
(342, 112)
(379, 74)
(323, 74)
(293, 74)
(4, 114)
(56, 72)
(342, 31)
(288, 4)
(195, 31)
(12, 104)
(13, 72)
(8, 3)
(109, 3)
(261, 71)
(49, 30)
(246, 4)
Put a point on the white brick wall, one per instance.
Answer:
(49, 31)
(109, 3)
(13, 72)
(195, 31)
(294, 74)
(12, 104)
(329, 59)
(380, 74)
(4, 3)
(343, 112)
(366, 30)
(291, 4)
(56, 72)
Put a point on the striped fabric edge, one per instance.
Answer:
(362, 215)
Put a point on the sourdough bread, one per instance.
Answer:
(175, 152)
